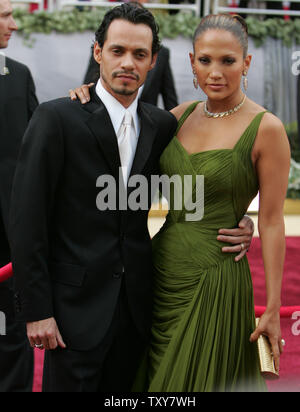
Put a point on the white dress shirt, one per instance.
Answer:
(116, 112)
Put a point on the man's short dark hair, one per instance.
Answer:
(133, 14)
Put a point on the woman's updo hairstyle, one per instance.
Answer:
(235, 24)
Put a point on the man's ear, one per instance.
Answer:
(97, 52)
(153, 63)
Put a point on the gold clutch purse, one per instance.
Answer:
(267, 364)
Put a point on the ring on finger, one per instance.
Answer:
(242, 247)
(41, 346)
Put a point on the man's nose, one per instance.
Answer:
(12, 24)
(128, 62)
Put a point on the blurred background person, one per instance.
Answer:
(17, 104)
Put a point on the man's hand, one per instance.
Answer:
(83, 93)
(241, 238)
(45, 334)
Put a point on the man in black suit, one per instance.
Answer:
(83, 276)
(17, 104)
(160, 80)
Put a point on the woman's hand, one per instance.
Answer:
(269, 325)
(82, 93)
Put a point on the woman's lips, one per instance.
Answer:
(216, 86)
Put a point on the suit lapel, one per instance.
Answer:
(146, 139)
(100, 125)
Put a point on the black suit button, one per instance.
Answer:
(18, 307)
(117, 275)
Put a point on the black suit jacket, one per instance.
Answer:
(17, 104)
(159, 81)
(69, 258)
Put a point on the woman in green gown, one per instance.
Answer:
(203, 334)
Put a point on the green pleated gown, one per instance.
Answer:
(203, 300)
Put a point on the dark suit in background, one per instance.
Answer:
(160, 80)
(17, 104)
(89, 269)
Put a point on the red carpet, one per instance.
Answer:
(291, 281)
(290, 362)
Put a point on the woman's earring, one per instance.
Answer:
(245, 81)
(195, 80)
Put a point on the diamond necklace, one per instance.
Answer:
(223, 114)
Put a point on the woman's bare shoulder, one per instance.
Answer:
(270, 123)
(179, 110)
(271, 134)
(272, 127)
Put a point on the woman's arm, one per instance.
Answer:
(272, 153)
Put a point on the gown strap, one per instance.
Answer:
(247, 140)
(186, 114)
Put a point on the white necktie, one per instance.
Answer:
(125, 145)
